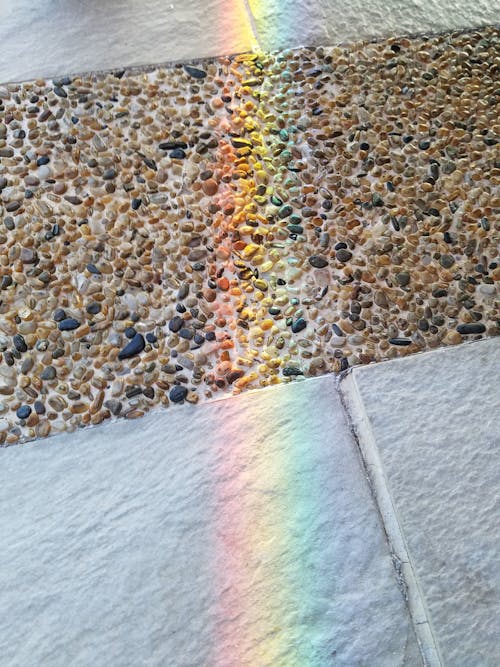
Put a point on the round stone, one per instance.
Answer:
(318, 261)
(178, 394)
(23, 412)
(343, 255)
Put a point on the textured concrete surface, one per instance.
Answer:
(51, 37)
(279, 24)
(57, 37)
(434, 420)
(238, 533)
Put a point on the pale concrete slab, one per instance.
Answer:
(429, 430)
(56, 37)
(281, 25)
(237, 533)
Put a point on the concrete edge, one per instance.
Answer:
(443, 349)
(132, 69)
(361, 430)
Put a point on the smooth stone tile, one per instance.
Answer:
(237, 533)
(434, 420)
(68, 36)
(281, 25)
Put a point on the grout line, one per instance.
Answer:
(405, 572)
(253, 24)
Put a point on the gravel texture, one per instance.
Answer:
(210, 226)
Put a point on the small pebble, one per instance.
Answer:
(136, 346)
(177, 394)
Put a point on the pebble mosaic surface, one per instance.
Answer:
(172, 234)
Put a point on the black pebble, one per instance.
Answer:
(93, 308)
(318, 261)
(136, 345)
(42, 160)
(136, 203)
(177, 394)
(59, 314)
(473, 328)
(151, 338)
(298, 325)
(178, 154)
(68, 324)
(210, 335)
(172, 145)
(195, 72)
(402, 342)
(19, 343)
(130, 332)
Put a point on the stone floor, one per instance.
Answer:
(346, 519)
(176, 233)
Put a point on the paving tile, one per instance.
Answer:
(433, 422)
(56, 38)
(280, 25)
(241, 532)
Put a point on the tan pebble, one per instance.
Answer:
(134, 414)
(57, 403)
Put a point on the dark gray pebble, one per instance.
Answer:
(93, 308)
(343, 255)
(285, 211)
(177, 394)
(473, 328)
(291, 371)
(136, 346)
(403, 278)
(178, 154)
(48, 373)
(132, 391)
(68, 324)
(175, 324)
(195, 72)
(19, 343)
(447, 261)
(318, 261)
(172, 145)
(299, 325)
(114, 406)
(402, 342)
